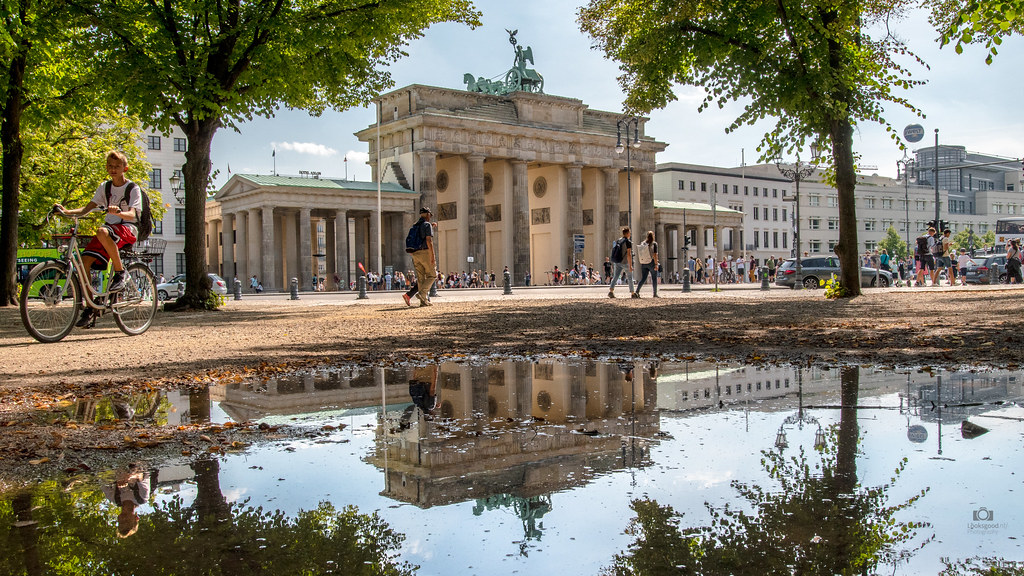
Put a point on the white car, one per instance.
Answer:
(169, 290)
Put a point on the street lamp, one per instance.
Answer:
(177, 188)
(905, 167)
(625, 123)
(800, 418)
(797, 172)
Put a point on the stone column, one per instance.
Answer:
(242, 247)
(701, 238)
(646, 203)
(520, 222)
(575, 203)
(612, 228)
(475, 214)
(270, 279)
(330, 242)
(255, 244)
(227, 242)
(361, 252)
(718, 242)
(212, 253)
(428, 181)
(664, 253)
(341, 247)
(305, 247)
(373, 256)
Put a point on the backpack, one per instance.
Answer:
(414, 241)
(644, 253)
(922, 245)
(144, 221)
(937, 247)
(616, 255)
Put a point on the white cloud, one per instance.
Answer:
(311, 148)
(357, 157)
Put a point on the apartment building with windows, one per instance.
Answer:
(166, 155)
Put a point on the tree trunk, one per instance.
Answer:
(841, 134)
(13, 150)
(196, 174)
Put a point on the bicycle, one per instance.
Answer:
(53, 291)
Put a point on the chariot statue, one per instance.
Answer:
(518, 79)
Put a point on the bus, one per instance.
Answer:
(28, 258)
(1007, 229)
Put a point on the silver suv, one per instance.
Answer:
(818, 269)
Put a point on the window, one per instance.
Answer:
(871, 245)
(1010, 208)
(179, 263)
(814, 223)
(903, 205)
(833, 223)
(155, 179)
(180, 177)
(869, 225)
(757, 240)
(736, 189)
(746, 190)
(785, 240)
(784, 215)
(814, 246)
(869, 202)
(983, 228)
(158, 226)
(179, 221)
(703, 186)
(153, 142)
(180, 145)
(757, 213)
(886, 203)
(157, 264)
(775, 192)
(997, 208)
(775, 214)
(682, 184)
(755, 190)
(1009, 187)
(765, 213)
(886, 224)
(919, 205)
(693, 185)
(775, 240)
(814, 200)
(903, 225)
(832, 245)
(766, 239)
(833, 201)
(725, 188)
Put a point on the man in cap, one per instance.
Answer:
(423, 259)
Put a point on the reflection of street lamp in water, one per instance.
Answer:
(800, 418)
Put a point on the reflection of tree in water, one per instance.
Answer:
(981, 567)
(820, 521)
(529, 510)
(59, 532)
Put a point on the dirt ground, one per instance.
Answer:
(922, 327)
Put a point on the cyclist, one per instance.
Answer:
(119, 229)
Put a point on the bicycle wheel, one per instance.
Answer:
(135, 305)
(49, 301)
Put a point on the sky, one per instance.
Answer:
(971, 104)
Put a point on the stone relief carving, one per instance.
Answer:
(588, 217)
(442, 181)
(447, 211)
(540, 216)
(540, 187)
(492, 213)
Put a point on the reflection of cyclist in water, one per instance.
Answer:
(129, 489)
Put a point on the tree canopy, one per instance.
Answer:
(810, 65)
(984, 22)
(205, 64)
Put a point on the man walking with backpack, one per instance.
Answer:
(622, 254)
(420, 244)
(647, 253)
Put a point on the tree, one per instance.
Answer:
(208, 64)
(893, 244)
(977, 22)
(65, 161)
(810, 64)
(47, 72)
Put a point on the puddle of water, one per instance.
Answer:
(559, 465)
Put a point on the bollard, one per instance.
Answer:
(764, 278)
(686, 280)
(362, 288)
(295, 288)
(993, 273)
(507, 280)
(238, 289)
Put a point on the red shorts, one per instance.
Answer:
(122, 234)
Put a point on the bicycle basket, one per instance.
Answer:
(150, 247)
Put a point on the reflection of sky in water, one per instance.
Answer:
(704, 453)
(700, 451)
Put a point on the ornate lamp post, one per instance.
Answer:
(797, 172)
(625, 123)
(905, 167)
(177, 188)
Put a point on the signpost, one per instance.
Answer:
(913, 133)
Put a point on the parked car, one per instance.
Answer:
(818, 269)
(169, 290)
(980, 272)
